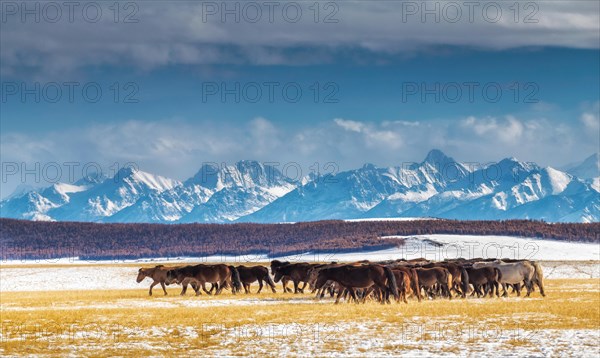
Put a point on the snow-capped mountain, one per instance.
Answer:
(238, 190)
(352, 193)
(111, 196)
(250, 191)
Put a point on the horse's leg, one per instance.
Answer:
(345, 295)
(183, 288)
(207, 291)
(319, 290)
(323, 290)
(247, 288)
(529, 287)
(368, 292)
(196, 288)
(474, 291)
(353, 295)
(303, 287)
(221, 285)
(260, 285)
(271, 285)
(541, 287)
(163, 287)
(152, 285)
(337, 299)
(295, 286)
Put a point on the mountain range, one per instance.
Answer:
(250, 191)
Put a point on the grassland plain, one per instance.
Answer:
(130, 323)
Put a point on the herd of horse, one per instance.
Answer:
(362, 280)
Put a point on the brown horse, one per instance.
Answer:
(158, 274)
(413, 288)
(403, 283)
(366, 277)
(486, 278)
(295, 272)
(430, 278)
(252, 274)
(285, 279)
(460, 279)
(220, 274)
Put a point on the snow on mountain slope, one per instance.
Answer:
(250, 191)
(35, 204)
(353, 193)
(112, 195)
(239, 190)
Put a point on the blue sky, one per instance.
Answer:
(370, 67)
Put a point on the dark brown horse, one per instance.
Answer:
(252, 274)
(220, 274)
(431, 278)
(460, 279)
(486, 278)
(285, 279)
(296, 273)
(365, 277)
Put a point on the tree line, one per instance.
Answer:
(20, 239)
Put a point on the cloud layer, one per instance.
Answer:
(183, 33)
(177, 148)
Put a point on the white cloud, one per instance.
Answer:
(176, 148)
(372, 135)
(508, 130)
(590, 120)
(350, 125)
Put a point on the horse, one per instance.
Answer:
(284, 280)
(295, 272)
(512, 273)
(365, 276)
(538, 277)
(403, 283)
(459, 283)
(255, 273)
(487, 277)
(430, 277)
(220, 274)
(411, 273)
(158, 274)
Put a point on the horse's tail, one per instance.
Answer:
(498, 274)
(538, 276)
(391, 280)
(449, 279)
(236, 282)
(465, 281)
(415, 283)
(269, 280)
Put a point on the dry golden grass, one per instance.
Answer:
(128, 322)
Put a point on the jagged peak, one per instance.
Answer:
(369, 166)
(437, 158)
(125, 172)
